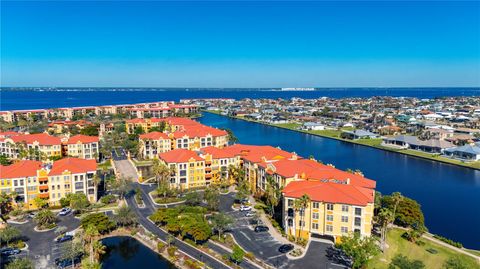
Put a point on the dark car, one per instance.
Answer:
(67, 262)
(259, 229)
(9, 251)
(64, 238)
(285, 248)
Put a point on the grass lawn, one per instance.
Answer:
(106, 165)
(474, 252)
(291, 125)
(398, 245)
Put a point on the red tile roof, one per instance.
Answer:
(179, 156)
(74, 165)
(154, 136)
(82, 139)
(330, 192)
(217, 153)
(313, 170)
(25, 168)
(42, 139)
(257, 154)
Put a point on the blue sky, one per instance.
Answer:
(240, 44)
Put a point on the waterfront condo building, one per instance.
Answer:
(151, 144)
(31, 179)
(333, 209)
(83, 146)
(187, 168)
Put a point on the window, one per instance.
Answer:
(301, 223)
(358, 211)
(344, 218)
(344, 208)
(301, 212)
(315, 215)
(329, 206)
(358, 221)
(316, 205)
(329, 228)
(315, 226)
(329, 217)
(344, 230)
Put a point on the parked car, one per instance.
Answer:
(64, 238)
(244, 200)
(259, 229)
(32, 214)
(245, 208)
(64, 211)
(67, 262)
(285, 248)
(10, 251)
(250, 214)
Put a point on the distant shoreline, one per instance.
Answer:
(410, 153)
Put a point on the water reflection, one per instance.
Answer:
(124, 252)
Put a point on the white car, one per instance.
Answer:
(250, 214)
(245, 208)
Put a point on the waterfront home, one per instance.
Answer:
(217, 163)
(312, 126)
(412, 142)
(187, 169)
(32, 179)
(465, 153)
(358, 134)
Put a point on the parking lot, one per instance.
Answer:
(262, 244)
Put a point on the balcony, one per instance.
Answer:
(43, 195)
(43, 179)
(43, 187)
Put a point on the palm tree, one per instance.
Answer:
(384, 217)
(161, 171)
(98, 249)
(397, 197)
(90, 233)
(125, 216)
(273, 194)
(301, 205)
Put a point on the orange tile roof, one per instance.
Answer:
(217, 153)
(330, 192)
(179, 156)
(154, 136)
(82, 139)
(42, 139)
(25, 168)
(313, 170)
(74, 165)
(138, 120)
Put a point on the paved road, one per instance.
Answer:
(125, 169)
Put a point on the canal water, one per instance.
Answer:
(449, 195)
(124, 252)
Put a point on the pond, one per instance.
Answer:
(124, 252)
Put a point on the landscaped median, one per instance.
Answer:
(374, 143)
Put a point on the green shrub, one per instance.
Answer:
(171, 251)
(448, 241)
(160, 246)
(108, 199)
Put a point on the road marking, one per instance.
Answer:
(273, 257)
